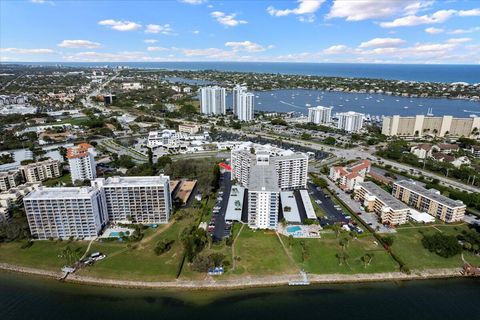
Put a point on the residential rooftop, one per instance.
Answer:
(430, 193)
(134, 181)
(43, 193)
(263, 178)
(384, 196)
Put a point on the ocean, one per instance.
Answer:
(407, 72)
(25, 297)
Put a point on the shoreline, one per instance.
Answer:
(240, 283)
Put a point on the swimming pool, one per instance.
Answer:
(114, 234)
(293, 229)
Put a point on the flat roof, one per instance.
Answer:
(136, 181)
(384, 196)
(307, 204)
(288, 200)
(186, 189)
(235, 204)
(263, 178)
(421, 216)
(43, 193)
(431, 194)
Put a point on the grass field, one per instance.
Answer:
(260, 253)
(42, 254)
(408, 246)
(321, 255)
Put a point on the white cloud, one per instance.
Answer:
(42, 2)
(227, 19)
(305, 7)
(437, 17)
(150, 41)
(79, 44)
(433, 30)
(196, 32)
(195, 2)
(247, 46)
(105, 56)
(27, 51)
(210, 53)
(157, 49)
(165, 29)
(463, 31)
(120, 25)
(357, 10)
(337, 49)
(459, 40)
(382, 43)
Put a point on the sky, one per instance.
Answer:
(354, 31)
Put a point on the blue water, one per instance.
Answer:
(114, 234)
(410, 72)
(374, 104)
(293, 229)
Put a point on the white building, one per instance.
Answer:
(291, 168)
(320, 115)
(212, 100)
(245, 111)
(263, 197)
(81, 160)
(237, 91)
(350, 121)
(9, 179)
(40, 171)
(65, 212)
(144, 200)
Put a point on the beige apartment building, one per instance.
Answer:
(429, 201)
(391, 210)
(40, 171)
(9, 179)
(420, 125)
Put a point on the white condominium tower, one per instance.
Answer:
(350, 121)
(144, 200)
(40, 171)
(212, 100)
(263, 197)
(65, 212)
(245, 107)
(237, 90)
(291, 168)
(320, 115)
(81, 160)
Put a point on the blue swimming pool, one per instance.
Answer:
(114, 234)
(293, 229)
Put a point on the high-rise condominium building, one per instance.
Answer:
(350, 121)
(65, 212)
(291, 168)
(420, 125)
(237, 91)
(245, 111)
(429, 201)
(9, 180)
(320, 115)
(40, 171)
(212, 100)
(144, 200)
(81, 160)
(263, 197)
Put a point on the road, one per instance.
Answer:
(220, 224)
(351, 154)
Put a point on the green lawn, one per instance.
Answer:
(408, 246)
(321, 255)
(42, 254)
(261, 253)
(66, 178)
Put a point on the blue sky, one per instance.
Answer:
(371, 31)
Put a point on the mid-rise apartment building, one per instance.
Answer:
(40, 171)
(320, 115)
(350, 121)
(65, 212)
(291, 168)
(390, 210)
(348, 176)
(212, 100)
(81, 160)
(144, 200)
(263, 197)
(429, 201)
(421, 125)
(9, 179)
(189, 128)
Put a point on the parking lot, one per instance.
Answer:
(333, 212)
(218, 228)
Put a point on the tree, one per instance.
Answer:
(163, 246)
(388, 240)
(443, 245)
(366, 259)
(163, 161)
(330, 141)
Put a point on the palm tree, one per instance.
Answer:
(337, 229)
(366, 259)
